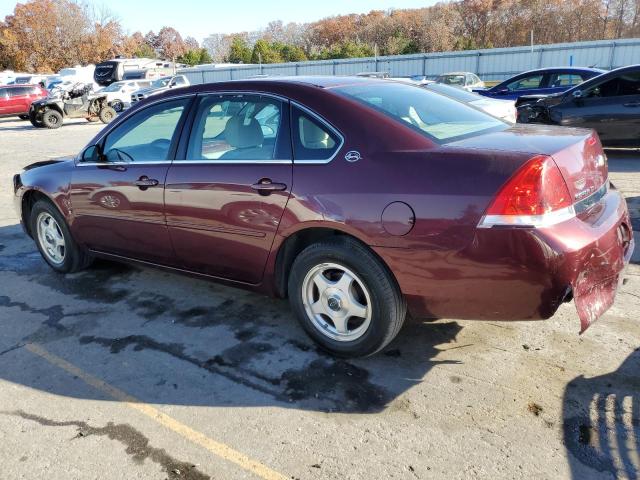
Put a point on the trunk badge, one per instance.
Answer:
(353, 156)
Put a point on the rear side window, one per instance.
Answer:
(3, 93)
(440, 118)
(312, 138)
(19, 91)
(564, 80)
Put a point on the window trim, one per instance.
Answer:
(325, 123)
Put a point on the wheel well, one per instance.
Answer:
(29, 199)
(295, 244)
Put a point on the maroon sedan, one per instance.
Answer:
(15, 100)
(359, 199)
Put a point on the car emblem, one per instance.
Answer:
(352, 156)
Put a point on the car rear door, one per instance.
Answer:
(228, 188)
(16, 101)
(117, 189)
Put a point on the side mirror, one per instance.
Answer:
(503, 91)
(93, 154)
(577, 94)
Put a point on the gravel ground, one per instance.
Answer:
(128, 372)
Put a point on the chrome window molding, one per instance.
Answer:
(232, 162)
(326, 124)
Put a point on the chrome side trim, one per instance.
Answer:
(137, 162)
(528, 221)
(329, 126)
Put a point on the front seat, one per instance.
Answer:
(245, 136)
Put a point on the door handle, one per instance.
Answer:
(631, 104)
(145, 182)
(266, 186)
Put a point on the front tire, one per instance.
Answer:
(107, 114)
(54, 240)
(35, 121)
(52, 119)
(345, 298)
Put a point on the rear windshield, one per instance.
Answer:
(438, 117)
(453, 92)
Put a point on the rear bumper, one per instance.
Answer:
(518, 274)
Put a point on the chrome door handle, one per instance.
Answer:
(631, 104)
(145, 182)
(266, 186)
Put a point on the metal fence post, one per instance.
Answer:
(612, 53)
(203, 76)
(478, 63)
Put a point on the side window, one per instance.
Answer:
(564, 80)
(236, 127)
(525, 83)
(3, 93)
(147, 135)
(312, 139)
(623, 85)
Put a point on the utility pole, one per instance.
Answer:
(532, 60)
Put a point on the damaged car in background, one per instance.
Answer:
(360, 200)
(609, 104)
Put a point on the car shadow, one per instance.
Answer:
(627, 160)
(601, 423)
(172, 339)
(26, 125)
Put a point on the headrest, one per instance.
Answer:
(243, 133)
(311, 133)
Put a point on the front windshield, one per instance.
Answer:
(436, 116)
(161, 82)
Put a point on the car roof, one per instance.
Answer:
(455, 73)
(571, 69)
(320, 81)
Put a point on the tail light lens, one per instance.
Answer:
(536, 195)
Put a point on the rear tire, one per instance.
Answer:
(350, 316)
(52, 119)
(107, 114)
(54, 240)
(117, 105)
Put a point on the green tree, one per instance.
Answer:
(239, 52)
(265, 52)
(196, 56)
(293, 53)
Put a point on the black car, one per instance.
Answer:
(609, 103)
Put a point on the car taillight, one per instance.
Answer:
(536, 195)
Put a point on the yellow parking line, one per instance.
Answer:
(217, 448)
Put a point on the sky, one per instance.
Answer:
(198, 18)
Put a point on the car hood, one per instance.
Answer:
(147, 91)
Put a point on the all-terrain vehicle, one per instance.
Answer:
(76, 102)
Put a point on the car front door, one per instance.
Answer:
(226, 194)
(611, 107)
(524, 85)
(16, 100)
(117, 187)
